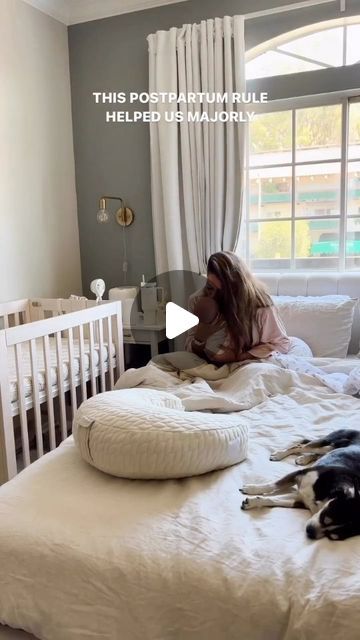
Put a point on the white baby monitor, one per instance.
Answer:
(98, 288)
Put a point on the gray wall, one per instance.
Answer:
(111, 55)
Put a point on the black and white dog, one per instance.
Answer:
(329, 488)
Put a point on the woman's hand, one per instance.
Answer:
(198, 349)
(204, 331)
(245, 356)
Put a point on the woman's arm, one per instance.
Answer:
(192, 332)
(273, 336)
(198, 335)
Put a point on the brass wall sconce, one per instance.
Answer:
(124, 215)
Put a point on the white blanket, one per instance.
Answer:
(84, 555)
(338, 380)
(234, 393)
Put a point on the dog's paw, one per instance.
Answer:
(250, 489)
(276, 456)
(251, 503)
(245, 504)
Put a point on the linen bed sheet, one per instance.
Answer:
(85, 555)
(14, 634)
(53, 359)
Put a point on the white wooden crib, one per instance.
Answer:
(54, 353)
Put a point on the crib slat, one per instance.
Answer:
(109, 339)
(82, 363)
(119, 345)
(16, 319)
(6, 321)
(71, 371)
(101, 354)
(92, 358)
(8, 465)
(49, 393)
(36, 399)
(26, 314)
(60, 377)
(21, 404)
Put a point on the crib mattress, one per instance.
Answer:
(26, 363)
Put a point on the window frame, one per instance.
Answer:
(345, 99)
(275, 44)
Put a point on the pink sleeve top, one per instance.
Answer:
(273, 334)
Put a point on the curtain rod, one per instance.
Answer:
(292, 7)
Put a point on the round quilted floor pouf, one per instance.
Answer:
(147, 434)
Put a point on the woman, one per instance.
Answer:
(244, 325)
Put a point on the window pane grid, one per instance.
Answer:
(307, 163)
(293, 200)
(344, 179)
(298, 216)
(290, 219)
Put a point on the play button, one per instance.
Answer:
(178, 320)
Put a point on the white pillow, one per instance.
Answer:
(147, 434)
(323, 322)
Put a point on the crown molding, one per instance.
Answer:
(58, 9)
(86, 10)
(76, 11)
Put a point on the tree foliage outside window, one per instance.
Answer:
(274, 240)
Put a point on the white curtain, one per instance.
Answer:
(197, 169)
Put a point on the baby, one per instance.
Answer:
(207, 310)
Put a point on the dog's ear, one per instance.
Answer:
(346, 490)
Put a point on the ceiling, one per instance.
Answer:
(75, 11)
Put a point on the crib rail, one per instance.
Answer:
(68, 357)
(14, 313)
(42, 308)
(17, 312)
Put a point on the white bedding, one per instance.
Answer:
(26, 362)
(85, 555)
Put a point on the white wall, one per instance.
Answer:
(39, 239)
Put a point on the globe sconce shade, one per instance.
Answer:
(123, 216)
(103, 215)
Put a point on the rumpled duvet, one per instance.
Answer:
(85, 555)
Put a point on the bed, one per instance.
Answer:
(54, 353)
(86, 555)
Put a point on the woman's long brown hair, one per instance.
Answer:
(240, 297)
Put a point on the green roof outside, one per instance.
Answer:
(305, 196)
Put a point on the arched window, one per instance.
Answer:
(303, 169)
(334, 43)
